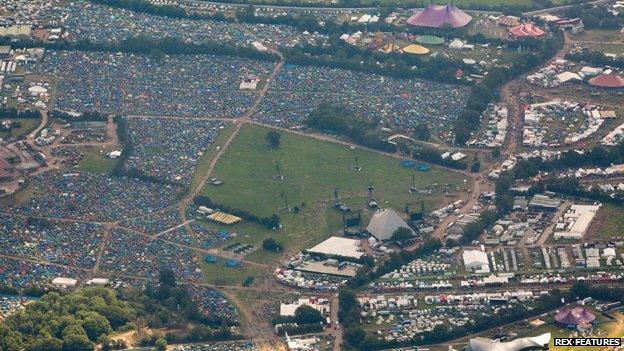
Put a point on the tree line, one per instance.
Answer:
(483, 93)
(338, 119)
(11, 112)
(155, 47)
(79, 320)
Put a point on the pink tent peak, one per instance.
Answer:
(526, 30)
(436, 16)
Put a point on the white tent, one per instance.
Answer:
(483, 344)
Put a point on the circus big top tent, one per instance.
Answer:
(574, 316)
(607, 81)
(436, 16)
(526, 30)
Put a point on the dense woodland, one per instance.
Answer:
(79, 320)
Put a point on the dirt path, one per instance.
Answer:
(44, 122)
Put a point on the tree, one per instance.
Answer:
(167, 277)
(348, 312)
(96, 325)
(161, 344)
(504, 203)
(200, 333)
(75, 339)
(273, 139)
(402, 234)
(270, 244)
(476, 164)
(355, 336)
(422, 132)
(307, 315)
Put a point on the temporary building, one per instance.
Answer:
(436, 16)
(430, 40)
(565, 77)
(526, 30)
(224, 218)
(607, 81)
(484, 344)
(574, 316)
(416, 49)
(390, 47)
(456, 44)
(384, 223)
(476, 261)
(509, 21)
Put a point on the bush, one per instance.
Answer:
(270, 244)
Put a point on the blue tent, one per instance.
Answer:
(223, 234)
(211, 259)
(423, 167)
(231, 263)
(407, 163)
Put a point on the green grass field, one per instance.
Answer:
(312, 169)
(96, 162)
(27, 125)
(613, 225)
(204, 160)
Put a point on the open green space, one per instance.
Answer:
(219, 274)
(312, 169)
(611, 222)
(95, 161)
(26, 126)
(598, 35)
(204, 161)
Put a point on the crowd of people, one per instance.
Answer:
(169, 148)
(180, 85)
(67, 243)
(96, 23)
(396, 102)
(94, 197)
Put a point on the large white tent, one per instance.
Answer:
(484, 344)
